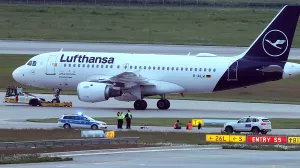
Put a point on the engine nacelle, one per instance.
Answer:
(96, 92)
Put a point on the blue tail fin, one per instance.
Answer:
(274, 43)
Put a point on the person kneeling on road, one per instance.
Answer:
(176, 125)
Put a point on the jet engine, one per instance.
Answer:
(96, 92)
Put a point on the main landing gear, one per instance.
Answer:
(56, 99)
(162, 104)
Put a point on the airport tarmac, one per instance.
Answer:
(33, 125)
(13, 116)
(38, 47)
(211, 156)
(178, 109)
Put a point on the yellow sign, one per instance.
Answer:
(195, 122)
(293, 140)
(110, 134)
(217, 138)
(237, 138)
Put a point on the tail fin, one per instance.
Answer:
(274, 43)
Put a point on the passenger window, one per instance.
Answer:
(177, 69)
(167, 68)
(135, 67)
(191, 69)
(97, 66)
(69, 65)
(214, 69)
(74, 65)
(88, 65)
(153, 68)
(93, 66)
(118, 66)
(204, 69)
(209, 70)
(101, 66)
(111, 66)
(186, 69)
(140, 67)
(158, 68)
(106, 66)
(163, 68)
(181, 69)
(200, 69)
(130, 67)
(78, 65)
(83, 65)
(195, 69)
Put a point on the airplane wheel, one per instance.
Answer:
(55, 101)
(163, 104)
(140, 105)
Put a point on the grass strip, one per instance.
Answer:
(136, 24)
(30, 158)
(261, 147)
(277, 123)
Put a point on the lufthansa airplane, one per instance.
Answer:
(99, 76)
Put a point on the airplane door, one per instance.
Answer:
(126, 67)
(232, 71)
(51, 65)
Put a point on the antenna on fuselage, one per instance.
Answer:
(61, 49)
(189, 54)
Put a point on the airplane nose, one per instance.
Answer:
(17, 74)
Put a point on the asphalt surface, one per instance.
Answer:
(178, 109)
(14, 116)
(210, 156)
(38, 47)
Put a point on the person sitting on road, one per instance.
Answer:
(176, 125)
(189, 126)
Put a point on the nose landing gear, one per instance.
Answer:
(56, 99)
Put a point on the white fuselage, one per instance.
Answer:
(194, 74)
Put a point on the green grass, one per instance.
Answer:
(277, 123)
(205, 26)
(262, 147)
(32, 158)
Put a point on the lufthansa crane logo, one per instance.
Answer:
(275, 43)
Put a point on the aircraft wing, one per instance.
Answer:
(124, 78)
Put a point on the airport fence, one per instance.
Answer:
(68, 142)
(165, 3)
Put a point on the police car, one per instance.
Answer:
(80, 121)
(252, 124)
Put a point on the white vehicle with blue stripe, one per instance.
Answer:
(252, 124)
(80, 121)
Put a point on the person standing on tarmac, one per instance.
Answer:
(119, 118)
(128, 117)
(122, 119)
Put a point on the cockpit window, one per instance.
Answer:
(34, 63)
(29, 63)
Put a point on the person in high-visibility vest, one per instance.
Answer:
(122, 119)
(176, 125)
(189, 126)
(119, 120)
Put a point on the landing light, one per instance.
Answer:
(80, 113)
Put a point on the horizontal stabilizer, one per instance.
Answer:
(206, 55)
(271, 68)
